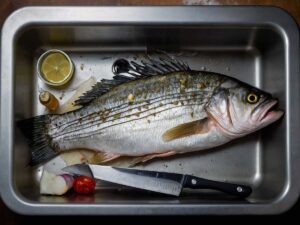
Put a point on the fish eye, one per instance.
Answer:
(252, 98)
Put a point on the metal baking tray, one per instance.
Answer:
(258, 45)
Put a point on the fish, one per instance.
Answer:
(153, 108)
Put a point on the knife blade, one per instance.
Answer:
(156, 181)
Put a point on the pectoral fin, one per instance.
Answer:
(187, 129)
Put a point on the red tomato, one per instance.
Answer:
(84, 185)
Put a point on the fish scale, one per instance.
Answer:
(99, 105)
(160, 101)
(130, 113)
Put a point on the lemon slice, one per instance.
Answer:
(56, 68)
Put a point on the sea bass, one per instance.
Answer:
(159, 108)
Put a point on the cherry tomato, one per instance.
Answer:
(84, 185)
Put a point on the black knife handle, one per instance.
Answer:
(229, 188)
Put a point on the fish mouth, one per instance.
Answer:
(269, 111)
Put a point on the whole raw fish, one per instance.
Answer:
(160, 108)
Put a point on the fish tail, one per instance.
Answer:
(35, 131)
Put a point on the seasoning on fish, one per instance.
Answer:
(172, 110)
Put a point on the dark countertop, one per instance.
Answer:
(8, 6)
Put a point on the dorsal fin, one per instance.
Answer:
(125, 71)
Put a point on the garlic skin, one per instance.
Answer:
(52, 184)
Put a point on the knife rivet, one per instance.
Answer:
(194, 181)
(239, 189)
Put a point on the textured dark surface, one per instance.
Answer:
(7, 6)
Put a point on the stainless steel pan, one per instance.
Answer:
(259, 45)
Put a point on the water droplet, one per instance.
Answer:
(228, 68)
(203, 68)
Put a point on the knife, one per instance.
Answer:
(162, 182)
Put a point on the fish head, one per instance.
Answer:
(239, 109)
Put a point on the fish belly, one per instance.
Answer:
(144, 136)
